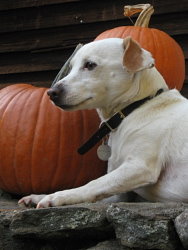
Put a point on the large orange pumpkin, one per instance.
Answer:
(38, 143)
(169, 58)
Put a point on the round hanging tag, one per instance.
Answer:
(104, 152)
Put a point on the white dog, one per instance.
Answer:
(150, 146)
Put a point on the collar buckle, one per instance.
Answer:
(122, 115)
(108, 125)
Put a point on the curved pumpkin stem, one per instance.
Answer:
(145, 10)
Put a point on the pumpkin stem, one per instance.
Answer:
(145, 10)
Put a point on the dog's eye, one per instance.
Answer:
(90, 65)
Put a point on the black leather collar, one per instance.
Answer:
(113, 123)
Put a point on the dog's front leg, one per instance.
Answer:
(127, 177)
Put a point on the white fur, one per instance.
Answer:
(149, 148)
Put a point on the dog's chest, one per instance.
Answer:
(120, 142)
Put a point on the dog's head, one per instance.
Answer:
(100, 72)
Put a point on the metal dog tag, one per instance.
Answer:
(104, 151)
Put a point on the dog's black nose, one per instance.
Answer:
(54, 93)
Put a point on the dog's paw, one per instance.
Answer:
(49, 201)
(54, 200)
(31, 200)
(67, 197)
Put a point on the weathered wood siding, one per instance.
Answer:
(37, 36)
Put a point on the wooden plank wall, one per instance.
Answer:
(36, 37)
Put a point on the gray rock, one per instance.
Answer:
(8, 208)
(77, 221)
(109, 245)
(145, 225)
(6, 240)
(121, 226)
(181, 224)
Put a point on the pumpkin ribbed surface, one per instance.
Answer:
(38, 143)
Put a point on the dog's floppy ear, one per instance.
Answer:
(135, 58)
